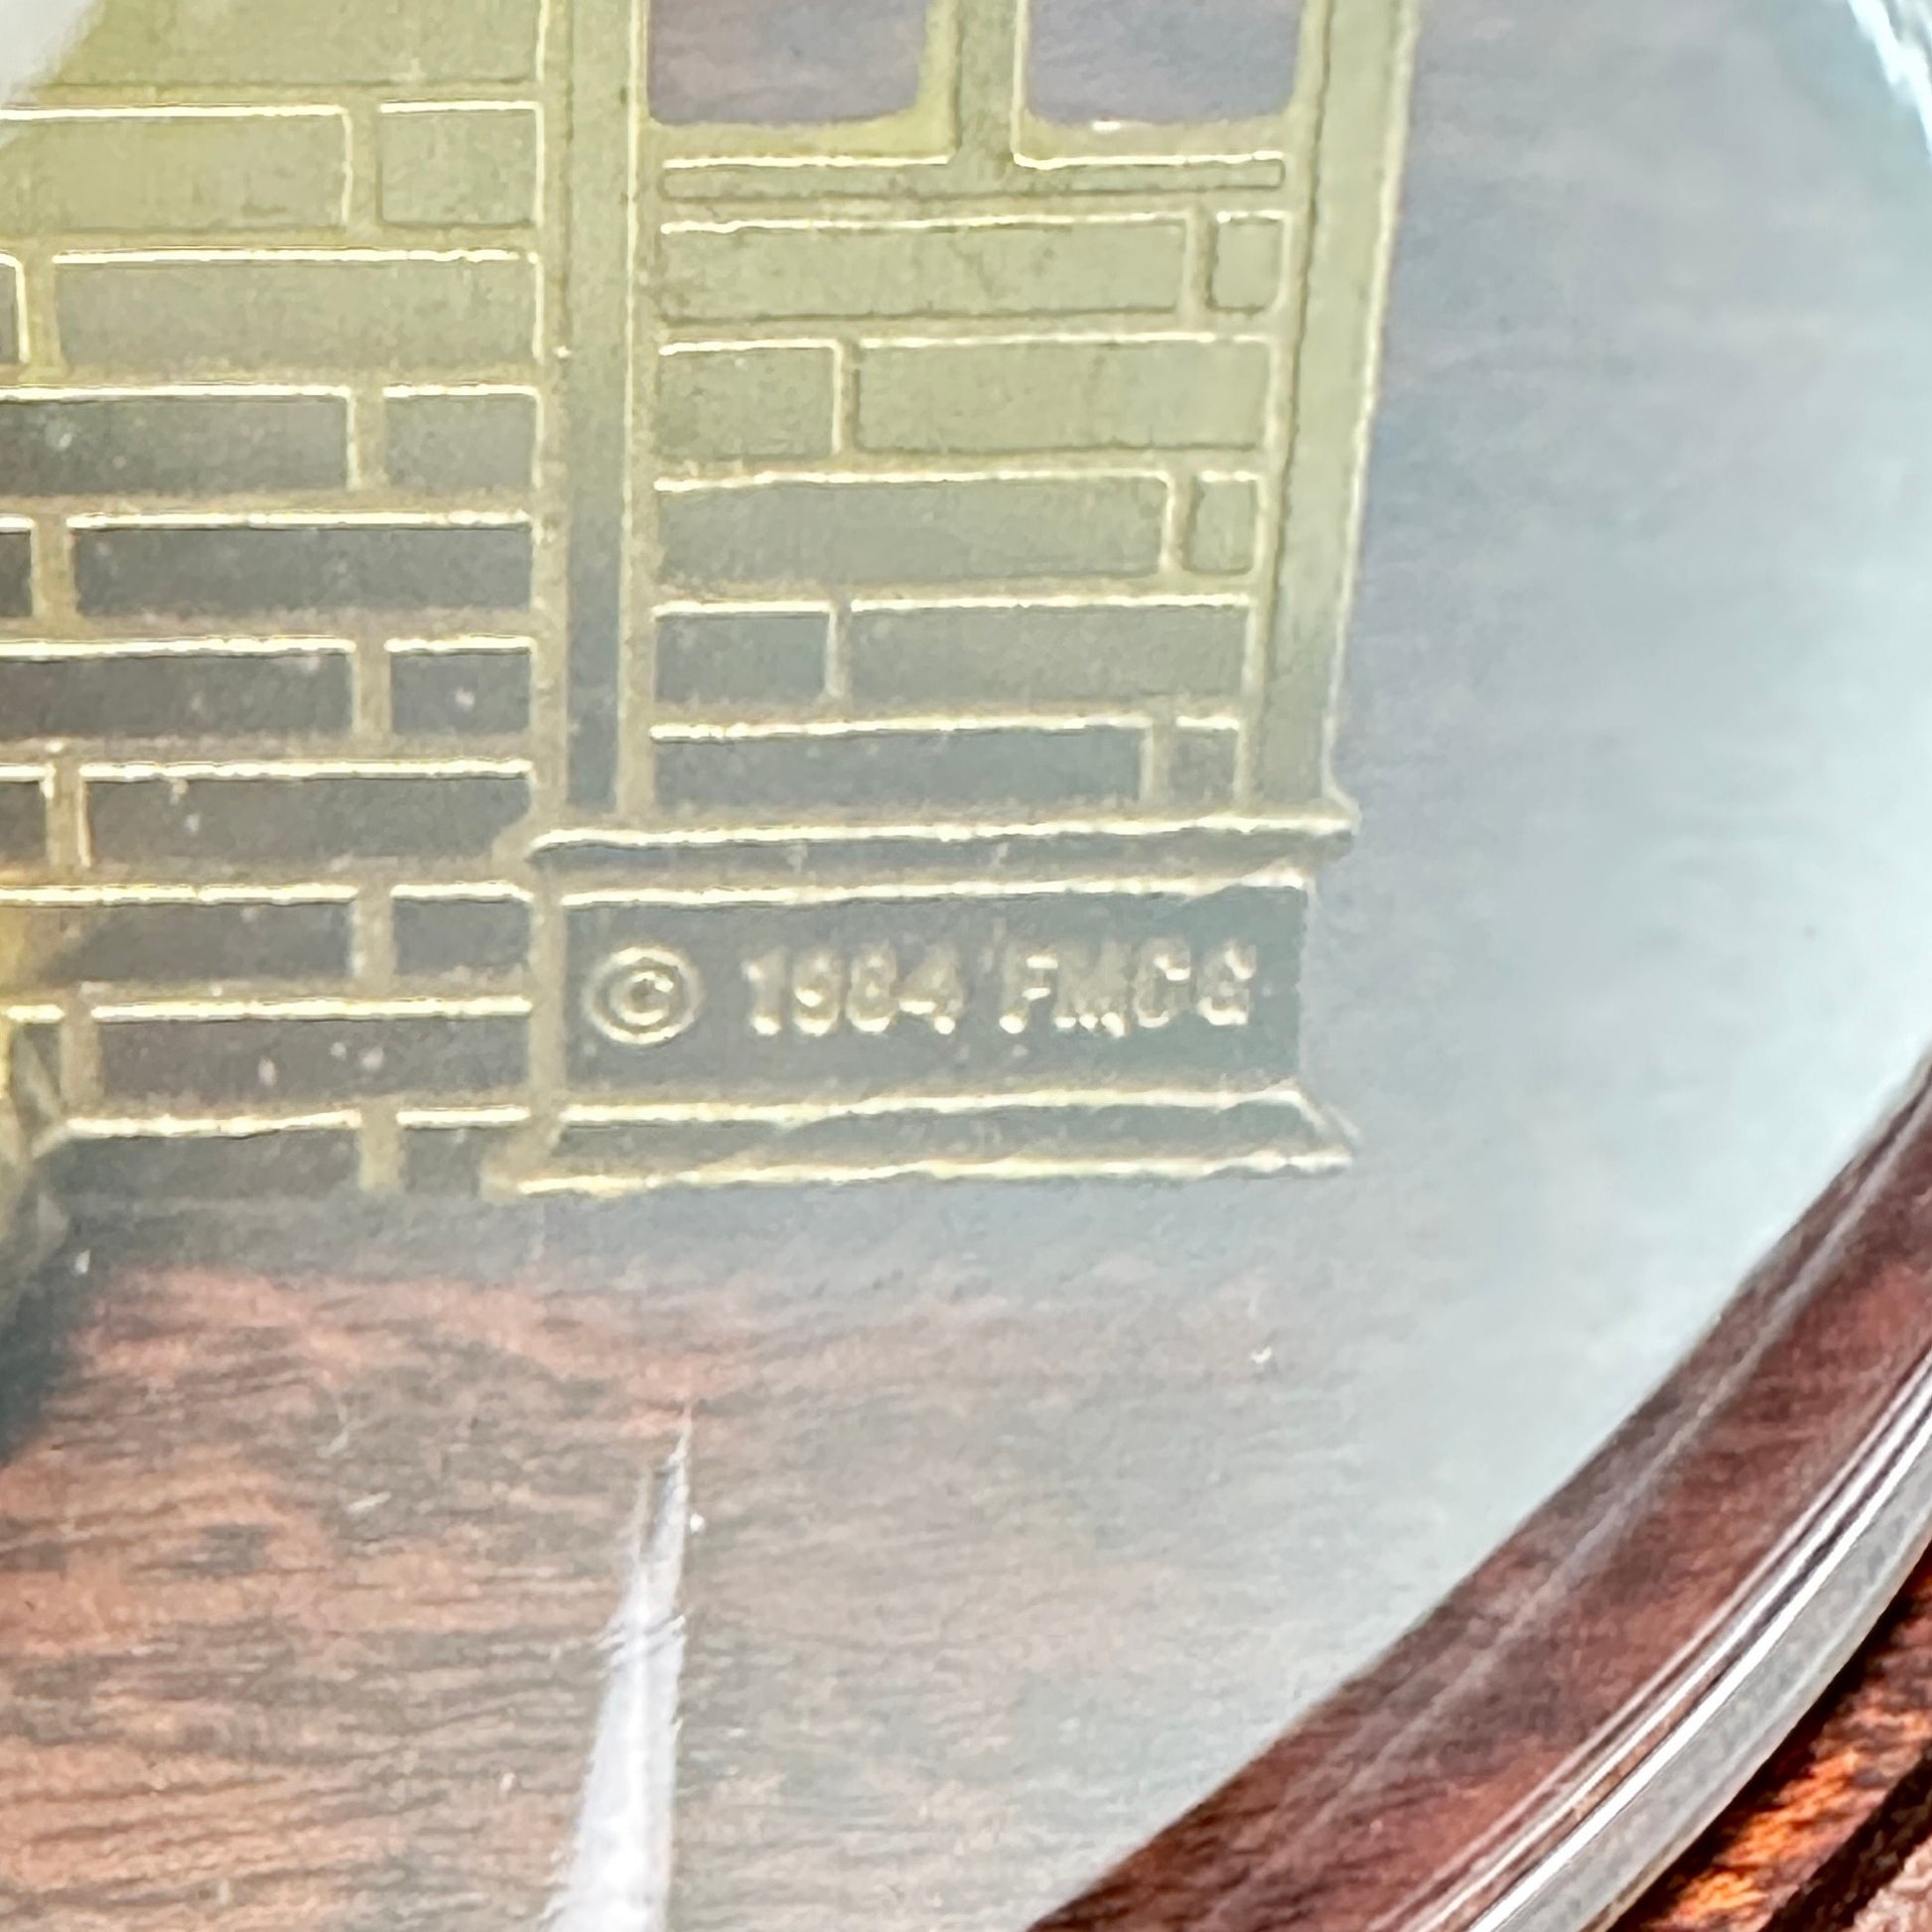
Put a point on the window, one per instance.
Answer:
(785, 63)
(1162, 61)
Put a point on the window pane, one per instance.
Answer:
(1162, 61)
(785, 63)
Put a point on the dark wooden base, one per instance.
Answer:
(304, 1571)
(1837, 1829)
(301, 1594)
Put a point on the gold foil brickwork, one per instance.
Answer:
(548, 648)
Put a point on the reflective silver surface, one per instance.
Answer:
(1629, 954)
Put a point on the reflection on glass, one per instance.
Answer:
(773, 63)
(34, 34)
(1162, 61)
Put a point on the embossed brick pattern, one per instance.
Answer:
(1248, 256)
(954, 481)
(193, 940)
(1042, 653)
(299, 1163)
(23, 819)
(1223, 527)
(460, 693)
(461, 441)
(751, 659)
(740, 403)
(243, 43)
(276, 423)
(978, 399)
(170, 445)
(261, 1058)
(1201, 768)
(249, 314)
(1067, 383)
(919, 769)
(446, 1162)
(85, 692)
(443, 936)
(188, 172)
(16, 572)
(231, 569)
(874, 270)
(11, 346)
(471, 165)
(940, 530)
(238, 819)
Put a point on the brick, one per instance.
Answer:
(446, 693)
(1042, 653)
(284, 1163)
(1200, 767)
(236, 820)
(750, 270)
(441, 936)
(239, 43)
(1249, 250)
(13, 349)
(173, 691)
(45, 1040)
(742, 657)
(922, 770)
(165, 944)
(16, 571)
(22, 818)
(267, 1060)
(462, 439)
(448, 1161)
(914, 530)
(1224, 527)
(257, 314)
(725, 403)
(982, 398)
(170, 445)
(224, 569)
(472, 165)
(185, 171)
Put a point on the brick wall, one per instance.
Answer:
(271, 379)
(1020, 458)
(956, 493)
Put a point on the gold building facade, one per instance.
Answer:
(544, 648)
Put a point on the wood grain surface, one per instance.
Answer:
(306, 1569)
(301, 1591)
(1832, 1822)
(1517, 1721)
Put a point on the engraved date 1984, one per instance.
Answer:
(1110, 989)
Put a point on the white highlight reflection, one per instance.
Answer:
(1900, 32)
(34, 35)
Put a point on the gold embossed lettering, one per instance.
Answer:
(1227, 985)
(1029, 978)
(871, 993)
(934, 991)
(1093, 991)
(1163, 983)
(767, 980)
(817, 993)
